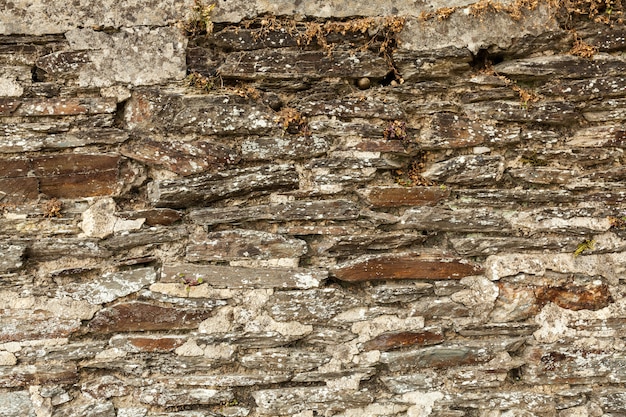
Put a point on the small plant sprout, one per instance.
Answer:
(190, 282)
(396, 130)
(588, 244)
(52, 208)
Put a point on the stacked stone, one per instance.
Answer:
(418, 214)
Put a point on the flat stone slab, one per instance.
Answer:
(240, 277)
(409, 266)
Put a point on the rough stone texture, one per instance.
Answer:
(289, 208)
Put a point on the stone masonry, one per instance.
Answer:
(323, 208)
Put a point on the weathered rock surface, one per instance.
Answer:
(287, 208)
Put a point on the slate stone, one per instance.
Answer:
(281, 212)
(561, 66)
(205, 188)
(284, 360)
(244, 244)
(38, 374)
(312, 306)
(409, 266)
(143, 316)
(289, 401)
(163, 395)
(11, 257)
(396, 340)
(16, 404)
(268, 148)
(469, 170)
(404, 196)
(241, 277)
(460, 220)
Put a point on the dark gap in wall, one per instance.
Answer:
(484, 59)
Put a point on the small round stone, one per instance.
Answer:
(363, 83)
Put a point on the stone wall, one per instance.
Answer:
(314, 209)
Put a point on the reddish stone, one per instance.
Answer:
(77, 175)
(407, 267)
(8, 106)
(142, 316)
(576, 297)
(39, 374)
(155, 343)
(389, 341)
(404, 196)
(18, 190)
(13, 168)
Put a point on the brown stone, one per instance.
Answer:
(154, 217)
(142, 316)
(404, 196)
(390, 341)
(38, 374)
(182, 157)
(592, 296)
(77, 175)
(406, 267)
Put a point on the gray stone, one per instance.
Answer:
(240, 277)
(313, 306)
(488, 245)
(401, 384)
(284, 360)
(289, 401)
(244, 244)
(153, 236)
(11, 257)
(206, 188)
(400, 292)
(53, 17)
(100, 409)
(562, 66)
(462, 30)
(268, 148)
(461, 220)
(467, 170)
(16, 404)
(163, 395)
(297, 210)
(110, 286)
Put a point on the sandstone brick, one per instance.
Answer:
(244, 244)
(239, 277)
(181, 157)
(143, 316)
(409, 266)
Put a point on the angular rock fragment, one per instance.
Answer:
(240, 277)
(206, 188)
(409, 266)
